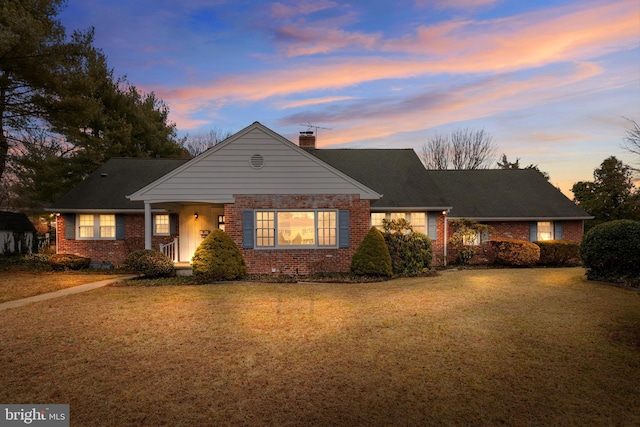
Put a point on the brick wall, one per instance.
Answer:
(299, 261)
(113, 251)
(571, 231)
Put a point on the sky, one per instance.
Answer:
(551, 81)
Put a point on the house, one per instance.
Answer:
(17, 233)
(295, 209)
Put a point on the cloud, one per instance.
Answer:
(309, 40)
(312, 101)
(280, 10)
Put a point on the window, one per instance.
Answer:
(418, 220)
(296, 229)
(161, 225)
(221, 222)
(86, 227)
(545, 230)
(376, 219)
(96, 227)
(107, 225)
(327, 228)
(265, 229)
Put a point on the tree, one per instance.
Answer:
(631, 141)
(610, 196)
(32, 48)
(504, 163)
(201, 142)
(463, 149)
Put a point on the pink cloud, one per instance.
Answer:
(280, 10)
(309, 40)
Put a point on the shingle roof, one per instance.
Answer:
(108, 186)
(397, 174)
(500, 193)
(11, 221)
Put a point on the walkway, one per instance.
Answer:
(62, 292)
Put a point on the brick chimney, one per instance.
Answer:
(307, 140)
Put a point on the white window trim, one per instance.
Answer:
(316, 245)
(407, 214)
(551, 231)
(96, 228)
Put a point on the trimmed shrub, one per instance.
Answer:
(611, 252)
(558, 252)
(467, 238)
(218, 258)
(372, 256)
(60, 262)
(150, 263)
(516, 253)
(410, 251)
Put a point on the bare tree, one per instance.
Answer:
(201, 142)
(631, 141)
(462, 149)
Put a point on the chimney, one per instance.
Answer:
(307, 140)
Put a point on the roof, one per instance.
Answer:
(108, 186)
(11, 221)
(508, 194)
(397, 174)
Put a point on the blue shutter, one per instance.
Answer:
(70, 226)
(432, 225)
(533, 231)
(343, 229)
(173, 224)
(557, 230)
(247, 229)
(119, 226)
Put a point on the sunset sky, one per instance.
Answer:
(551, 81)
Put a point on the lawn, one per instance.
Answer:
(485, 347)
(16, 284)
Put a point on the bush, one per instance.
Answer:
(410, 251)
(558, 252)
(372, 256)
(467, 238)
(150, 263)
(218, 258)
(516, 253)
(610, 252)
(68, 262)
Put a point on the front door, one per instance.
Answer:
(196, 222)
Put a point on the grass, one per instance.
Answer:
(20, 283)
(477, 347)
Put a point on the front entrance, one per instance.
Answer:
(196, 222)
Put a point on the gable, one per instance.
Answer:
(256, 160)
(11, 221)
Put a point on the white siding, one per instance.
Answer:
(225, 170)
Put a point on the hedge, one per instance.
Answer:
(517, 253)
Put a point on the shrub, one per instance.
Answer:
(467, 237)
(517, 253)
(558, 252)
(610, 252)
(218, 258)
(150, 263)
(410, 251)
(68, 262)
(372, 256)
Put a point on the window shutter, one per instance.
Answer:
(69, 226)
(433, 226)
(343, 229)
(557, 230)
(173, 224)
(119, 226)
(533, 231)
(247, 229)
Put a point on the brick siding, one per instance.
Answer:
(299, 261)
(112, 251)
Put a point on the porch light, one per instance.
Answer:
(195, 215)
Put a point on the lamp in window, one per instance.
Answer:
(195, 215)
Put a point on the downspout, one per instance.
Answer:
(444, 244)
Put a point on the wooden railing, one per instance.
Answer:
(170, 250)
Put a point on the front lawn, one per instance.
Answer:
(476, 347)
(20, 283)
